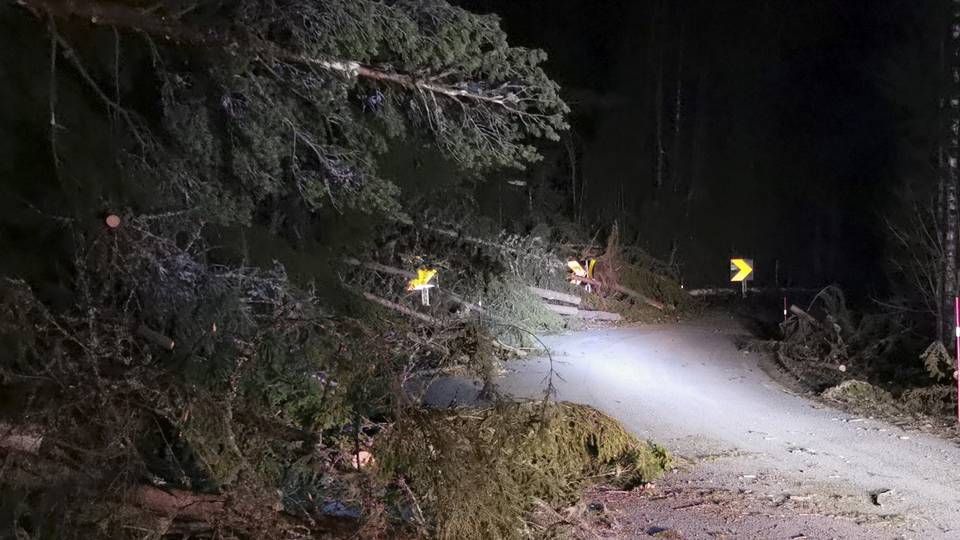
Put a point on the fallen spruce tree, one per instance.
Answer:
(870, 363)
(827, 342)
(251, 414)
(516, 279)
(184, 357)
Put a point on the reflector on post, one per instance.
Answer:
(956, 350)
(423, 284)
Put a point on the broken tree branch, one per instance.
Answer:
(377, 267)
(401, 309)
(562, 310)
(178, 503)
(170, 28)
(433, 322)
(643, 298)
(801, 313)
(555, 296)
(201, 512)
(584, 314)
(156, 338)
(627, 291)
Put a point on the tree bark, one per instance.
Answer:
(555, 296)
(584, 314)
(401, 309)
(629, 292)
(699, 131)
(569, 146)
(178, 503)
(676, 157)
(951, 187)
(661, 153)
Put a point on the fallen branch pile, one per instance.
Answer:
(826, 343)
(542, 273)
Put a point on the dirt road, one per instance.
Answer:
(761, 462)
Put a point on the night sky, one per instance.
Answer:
(796, 121)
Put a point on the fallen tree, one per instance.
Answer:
(523, 257)
(556, 296)
(478, 471)
(584, 314)
(542, 293)
(827, 343)
(377, 267)
(168, 376)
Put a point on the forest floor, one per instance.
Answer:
(757, 459)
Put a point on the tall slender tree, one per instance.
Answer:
(951, 153)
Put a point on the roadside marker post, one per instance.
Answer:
(423, 284)
(956, 333)
(741, 271)
(783, 327)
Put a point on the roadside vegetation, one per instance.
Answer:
(872, 363)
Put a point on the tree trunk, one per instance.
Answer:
(403, 310)
(699, 131)
(940, 216)
(658, 182)
(547, 294)
(118, 15)
(575, 199)
(570, 311)
(678, 121)
(953, 154)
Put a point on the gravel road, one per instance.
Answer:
(759, 461)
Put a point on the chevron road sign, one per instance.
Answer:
(741, 270)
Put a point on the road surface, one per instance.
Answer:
(760, 461)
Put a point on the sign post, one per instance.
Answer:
(584, 270)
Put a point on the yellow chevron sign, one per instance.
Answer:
(423, 279)
(741, 270)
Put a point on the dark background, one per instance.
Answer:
(793, 138)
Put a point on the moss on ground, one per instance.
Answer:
(863, 397)
(859, 393)
(476, 473)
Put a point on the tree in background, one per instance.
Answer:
(925, 79)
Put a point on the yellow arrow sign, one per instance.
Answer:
(740, 270)
(422, 281)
